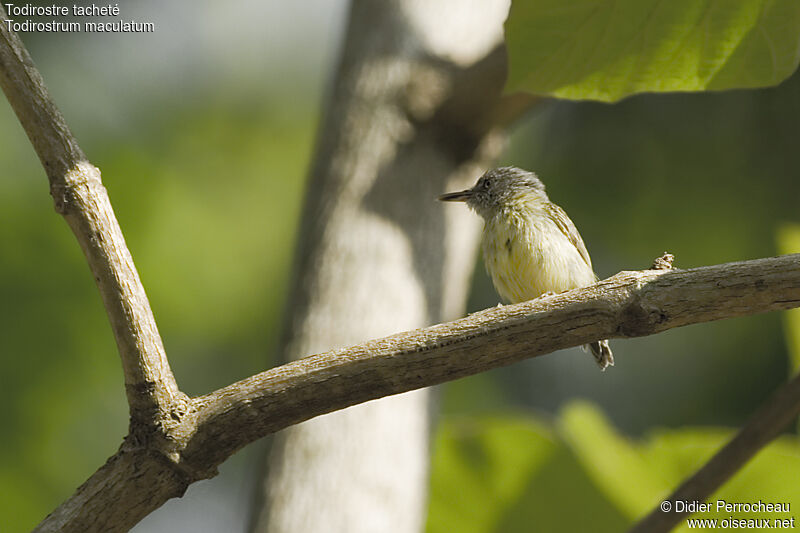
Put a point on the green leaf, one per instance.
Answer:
(481, 466)
(606, 50)
(514, 474)
(771, 476)
(505, 473)
(615, 465)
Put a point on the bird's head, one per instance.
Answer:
(499, 188)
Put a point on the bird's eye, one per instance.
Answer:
(486, 183)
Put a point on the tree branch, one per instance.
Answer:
(764, 426)
(127, 488)
(79, 195)
(630, 304)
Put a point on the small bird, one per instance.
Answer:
(530, 246)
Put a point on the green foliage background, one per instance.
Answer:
(205, 169)
(512, 473)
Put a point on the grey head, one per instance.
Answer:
(496, 188)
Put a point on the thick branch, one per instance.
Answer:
(764, 426)
(79, 195)
(630, 304)
(116, 497)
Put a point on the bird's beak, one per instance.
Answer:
(460, 196)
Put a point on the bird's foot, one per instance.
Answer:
(602, 354)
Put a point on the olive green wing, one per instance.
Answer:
(568, 229)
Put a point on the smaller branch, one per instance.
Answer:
(764, 426)
(79, 195)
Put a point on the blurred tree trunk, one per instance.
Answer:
(413, 112)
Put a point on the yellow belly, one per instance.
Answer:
(527, 255)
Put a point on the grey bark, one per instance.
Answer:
(412, 114)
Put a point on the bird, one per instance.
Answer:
(530, 246)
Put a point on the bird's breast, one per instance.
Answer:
(526, 254)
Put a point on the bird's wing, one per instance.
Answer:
(568, 229)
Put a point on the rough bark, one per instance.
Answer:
(412, 113)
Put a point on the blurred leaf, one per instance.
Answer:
(515, 474)
(789, 243)
(600, 50)
(504, 473)
(614, 464)
(481, 467)
(771, 476)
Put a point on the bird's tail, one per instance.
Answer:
(602, 354)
